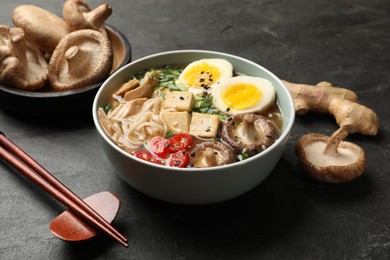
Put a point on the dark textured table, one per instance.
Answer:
(288, 216)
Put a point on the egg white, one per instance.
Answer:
(199, 70)
(264, 86)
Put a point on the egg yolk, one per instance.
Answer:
(202, 75)
(241, 96)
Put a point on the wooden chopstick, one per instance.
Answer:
(15, 156)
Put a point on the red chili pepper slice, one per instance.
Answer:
(144, 156)
(158, 146)
(179, 142)
(147, 156)
(179, 159)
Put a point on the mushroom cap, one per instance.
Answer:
(249, 133)
(41, 27)
(211, 153)
(22, 64)
(81, 58)
(348, 164)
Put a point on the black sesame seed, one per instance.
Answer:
(181, 98)
(204, 92)
(202, 72)
(228, 109)
(201, 80)
(192, 154)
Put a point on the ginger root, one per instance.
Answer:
(356, 118)
(339, 102)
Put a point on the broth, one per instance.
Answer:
(142, 118)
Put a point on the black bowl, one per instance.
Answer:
(38, 104)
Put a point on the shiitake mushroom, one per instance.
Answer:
(81, 58)
(211, 153)
(329, 159)
(249, 133)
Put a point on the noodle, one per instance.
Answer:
(181, 120)
(134, 122)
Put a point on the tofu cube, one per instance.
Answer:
(204, 125)
(177, 122)
(179, 100)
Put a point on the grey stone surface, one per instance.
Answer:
(288, 216)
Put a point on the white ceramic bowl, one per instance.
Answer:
(191, 185)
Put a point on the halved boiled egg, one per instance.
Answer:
(243, 94)
(200, 76)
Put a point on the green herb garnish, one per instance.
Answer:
(169, 134)
(167, 77)
(107, 108)
(204, 105)
(243, 156)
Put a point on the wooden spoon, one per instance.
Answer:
(69, 227)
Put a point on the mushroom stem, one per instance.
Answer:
(210, 158)
(19, 44)
(247, 131)
(75, 58)
(247, 119)
(333, 142)
(98, 16)
(78, 15)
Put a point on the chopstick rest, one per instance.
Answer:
(21, 161)
(69, 227)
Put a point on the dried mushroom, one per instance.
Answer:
(22, 64)
(329, 159)
(249, 133)
(81, 58)
(78, 15)
(41, 27)
(211, 153)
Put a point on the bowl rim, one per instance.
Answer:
(281, 138)
(55, 94)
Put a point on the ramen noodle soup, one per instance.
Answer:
(199, 115)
